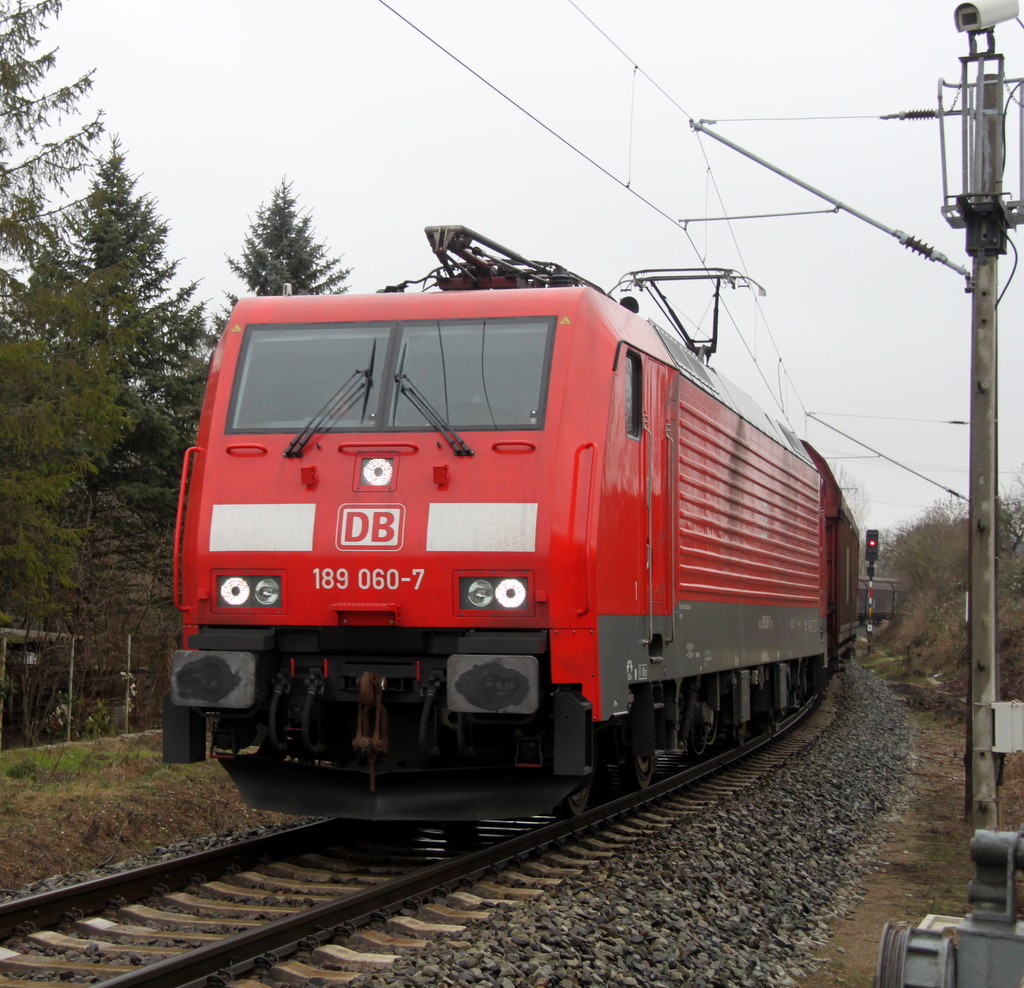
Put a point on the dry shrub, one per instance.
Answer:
(1011, 646)
(930, 556)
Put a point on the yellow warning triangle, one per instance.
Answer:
(565, 321)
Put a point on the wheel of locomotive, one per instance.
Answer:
(741, 732)
(636, 772)
(575, 803)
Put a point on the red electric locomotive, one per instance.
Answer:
(441, 555)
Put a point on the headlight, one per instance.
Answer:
(511, 593)
(495, 593)
(480, 593)
(249, 591)
(235, 591)
(377, 472)
(268, 591)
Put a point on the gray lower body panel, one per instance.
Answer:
(700, 638)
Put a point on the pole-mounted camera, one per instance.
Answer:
(984, 14)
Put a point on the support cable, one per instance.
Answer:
(700, 126)
(911, 243)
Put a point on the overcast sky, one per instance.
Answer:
(382, 133)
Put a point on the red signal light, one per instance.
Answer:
(871, 545)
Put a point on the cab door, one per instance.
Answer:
(660, 395)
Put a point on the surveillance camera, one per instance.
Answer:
(983, 14)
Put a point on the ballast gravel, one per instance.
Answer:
(740, 897)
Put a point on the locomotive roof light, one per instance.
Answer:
(378, 471)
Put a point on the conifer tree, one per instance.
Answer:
(57, 407)
(117, 248)
(118, 244)
(281, 248)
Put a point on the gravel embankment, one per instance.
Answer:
(738, 899)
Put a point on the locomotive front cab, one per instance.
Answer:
(368, 556)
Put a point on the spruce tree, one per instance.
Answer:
(118, 243)
(57, 400)
(281, 249)
(115, 254)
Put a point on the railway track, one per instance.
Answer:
(324, 901)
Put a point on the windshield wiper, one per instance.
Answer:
(357, 386)
(432, 415)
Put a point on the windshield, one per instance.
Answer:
(488, 374)
(287, 373)
(477, 374)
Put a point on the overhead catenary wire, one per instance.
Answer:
(890, 418)
(753, 356)
(701, 126)
(778, 401)
(605, 171)
(554, 133)
(912, 243)
(890, 459)
(632, 112)
(757, 302)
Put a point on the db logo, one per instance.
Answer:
(366, 526)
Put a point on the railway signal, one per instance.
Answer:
(871, 557)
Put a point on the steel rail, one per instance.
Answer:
(262, 947)
(49, 908)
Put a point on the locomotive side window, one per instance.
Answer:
(634, 395)
(479, 374)
(286, 373)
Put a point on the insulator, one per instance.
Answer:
(912, 243)
(912, 115)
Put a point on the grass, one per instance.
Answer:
(72, 807)
(103, 764)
